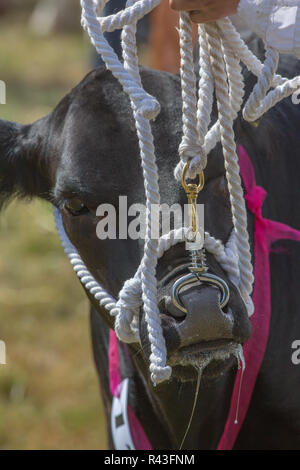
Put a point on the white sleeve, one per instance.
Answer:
(277, 22)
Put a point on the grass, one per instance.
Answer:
(49, 393)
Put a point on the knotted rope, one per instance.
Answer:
(221, 50)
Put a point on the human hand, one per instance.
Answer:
(206, 11)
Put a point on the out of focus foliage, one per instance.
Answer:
(49, 394)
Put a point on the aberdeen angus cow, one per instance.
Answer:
(85, 153)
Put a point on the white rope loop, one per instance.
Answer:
(206, 90)
(283, 87)
(146, 105)
(234, 41)
(130, 15)
(238, 206)
(254, 107)
(209, 138)
(221, 50)
(158, 358)
(259, 101)
(190, 146)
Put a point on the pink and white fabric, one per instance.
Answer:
(135, 432)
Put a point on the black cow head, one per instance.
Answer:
(85, 153)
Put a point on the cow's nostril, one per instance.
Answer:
(205, 321)
(171, 310)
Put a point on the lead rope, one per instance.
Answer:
(221, 50)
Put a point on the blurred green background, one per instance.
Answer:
(49, 393)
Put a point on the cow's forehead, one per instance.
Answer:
(99, 164)
(99, 152)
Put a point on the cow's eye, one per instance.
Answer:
(75, 206)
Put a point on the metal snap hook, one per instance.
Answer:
(198, 268)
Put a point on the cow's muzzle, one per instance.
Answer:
(204, 320)
(201, 329)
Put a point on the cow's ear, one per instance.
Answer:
(23, 168)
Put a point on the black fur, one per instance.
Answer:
(88, 147)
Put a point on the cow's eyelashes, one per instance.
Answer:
(75, 206)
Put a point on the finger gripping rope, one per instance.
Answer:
(221, 50)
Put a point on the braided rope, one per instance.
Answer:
(158, 358)
(129, 301)
(190, 145)
(238, 207)
(259, 101)
(133, 12)
(221, 50)
(234, 41)
(147, 105)
(209, 138)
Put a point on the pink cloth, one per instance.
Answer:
(115, 377)
(265, 233)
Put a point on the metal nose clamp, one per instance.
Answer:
(195, 246)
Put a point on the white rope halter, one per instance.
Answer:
(221, 50)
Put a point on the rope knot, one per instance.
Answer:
(255, 199)
(194, 151)
(160, 374)
(149, 108)
(129, 304)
